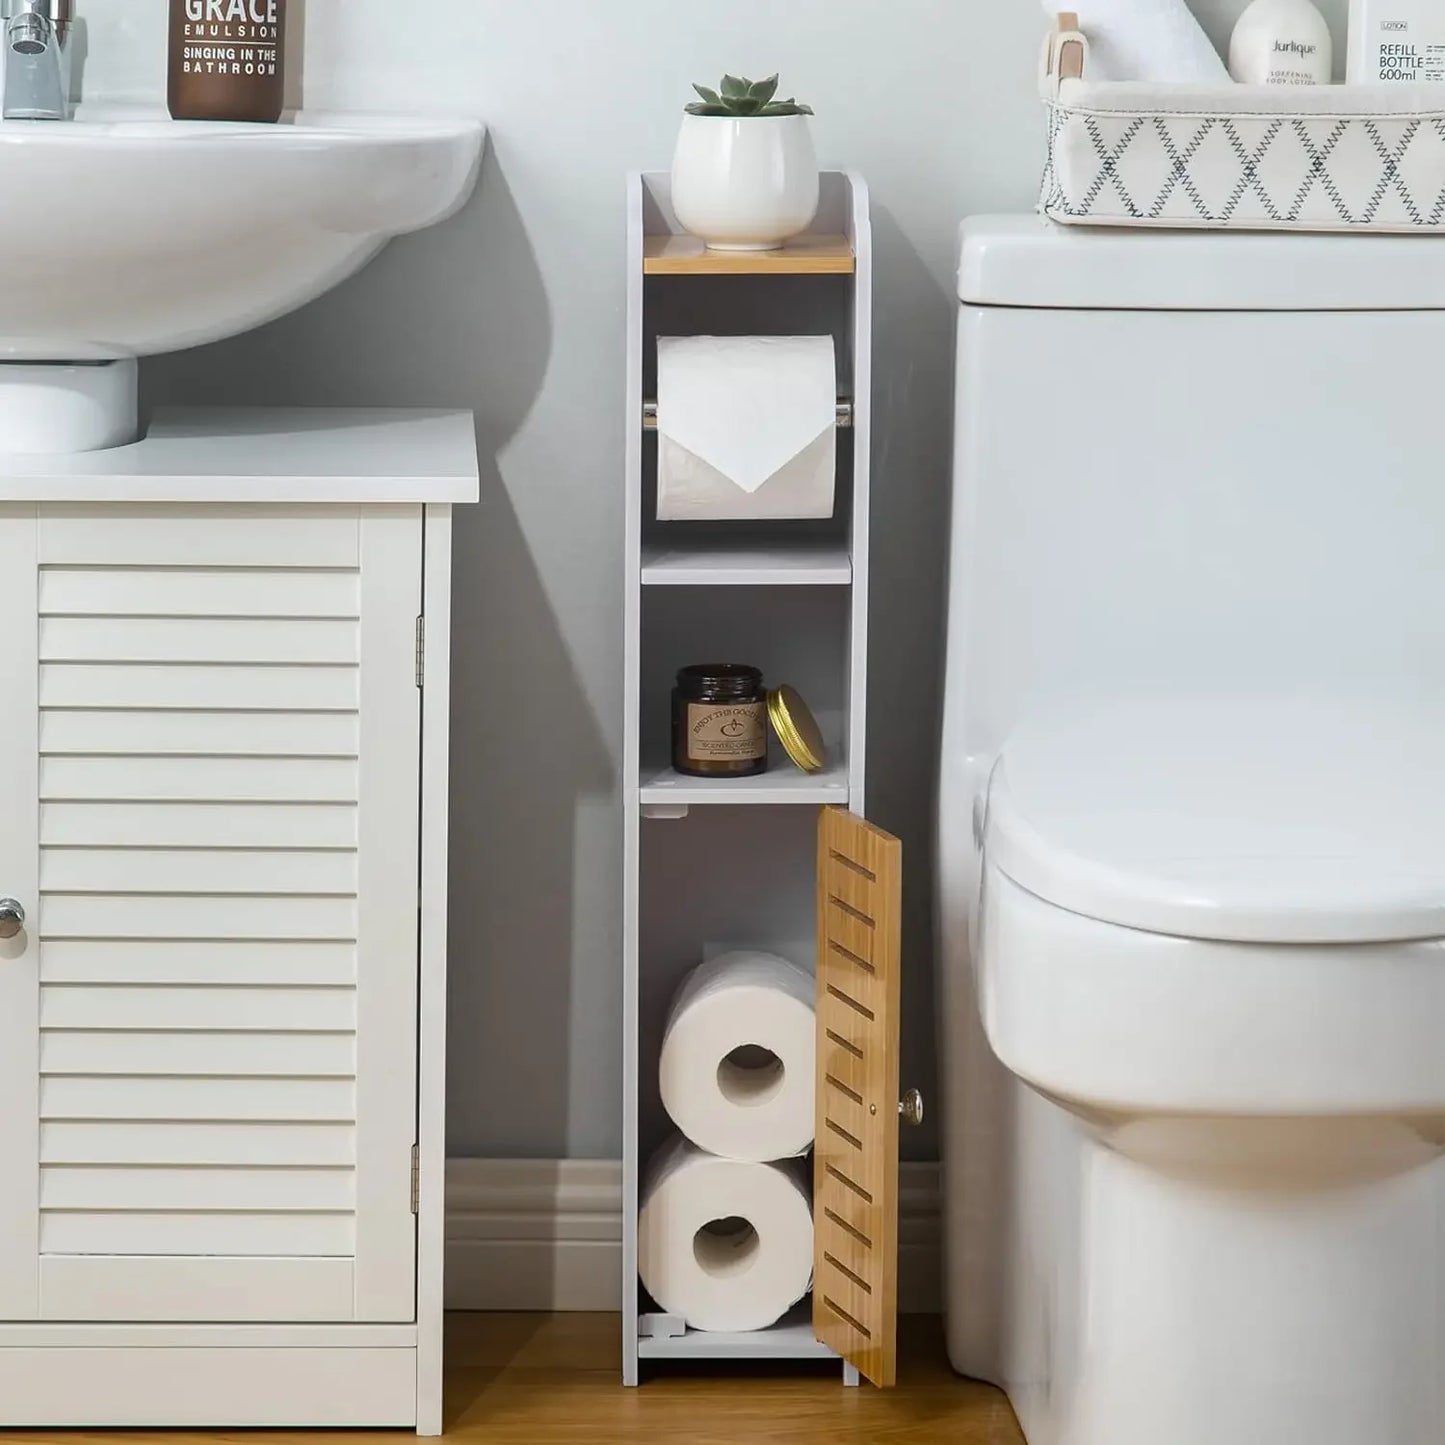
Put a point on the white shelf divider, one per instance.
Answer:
(836, 299)
(784, 785)
(790, 1339)
(748, 564)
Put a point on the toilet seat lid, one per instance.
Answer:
(1279, 821)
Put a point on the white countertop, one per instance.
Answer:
(272, 454)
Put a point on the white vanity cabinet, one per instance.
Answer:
(223, 756)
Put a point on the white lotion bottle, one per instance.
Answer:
(1396, 40)
(1282, 42)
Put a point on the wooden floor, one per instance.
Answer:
(553, 1380)
(536, 1380)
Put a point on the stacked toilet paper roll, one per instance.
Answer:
(726, 1228)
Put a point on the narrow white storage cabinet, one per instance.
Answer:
(717, 864)
(223, 760)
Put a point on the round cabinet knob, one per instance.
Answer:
(12, 918)
(910, 1108)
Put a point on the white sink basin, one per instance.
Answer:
(155, 235)
(149, 235)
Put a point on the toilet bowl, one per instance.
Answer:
(1216, 957)
(1192, 848)
(1212, 969)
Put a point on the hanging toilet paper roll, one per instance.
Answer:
(747, 427)
(736, 1072)
(726, 1245)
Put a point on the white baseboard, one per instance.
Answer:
(546, 1234)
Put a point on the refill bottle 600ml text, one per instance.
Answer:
(1396, 40)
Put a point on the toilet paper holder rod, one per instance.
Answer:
(649, 415)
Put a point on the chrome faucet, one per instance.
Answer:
(37, 59)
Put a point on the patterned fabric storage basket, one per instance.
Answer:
(1305, 158)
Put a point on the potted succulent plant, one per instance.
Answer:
(745, 176)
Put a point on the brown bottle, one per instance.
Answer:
(227, 59)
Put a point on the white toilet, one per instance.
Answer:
(1193, 837)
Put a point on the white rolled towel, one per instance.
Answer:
(1155, 40)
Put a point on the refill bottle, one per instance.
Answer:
(227, 59)
(1396, 40)
(1282, 42)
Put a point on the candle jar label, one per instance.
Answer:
(727, 733)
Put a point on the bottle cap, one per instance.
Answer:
(797, 729)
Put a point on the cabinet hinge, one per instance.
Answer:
(421, 652)
(416, 1178)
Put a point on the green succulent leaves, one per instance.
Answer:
(738, 99)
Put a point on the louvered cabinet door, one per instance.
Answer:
(855, 1198)
(211, 732)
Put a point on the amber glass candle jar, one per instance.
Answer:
(720, 721)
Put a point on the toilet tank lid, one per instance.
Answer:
(1027, 261)
(1263, 821)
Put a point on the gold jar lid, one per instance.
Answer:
(797, 729)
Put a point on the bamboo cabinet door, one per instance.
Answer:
(209, 749)
(855, 1296)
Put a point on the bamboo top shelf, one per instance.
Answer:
(812, 255)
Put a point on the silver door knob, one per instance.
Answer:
(910, 1108)
(12, 918)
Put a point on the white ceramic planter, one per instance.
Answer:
(745, 185)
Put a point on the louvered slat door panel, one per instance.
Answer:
(256, 641)
(162, 870)
(100, 1053)
(855, 1302)
(201, 779)
(224, 745)
(220, 825)
(199, 592)
(290, 965)
(172, 1239)
(203, 734)
(199, 1008)
(234, 688)
(19, 956)
(94, 1141)
(97, 1099)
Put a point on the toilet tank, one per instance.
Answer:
(1192, 463)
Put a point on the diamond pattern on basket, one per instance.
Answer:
(1324, 172)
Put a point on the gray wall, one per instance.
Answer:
(516, 308)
